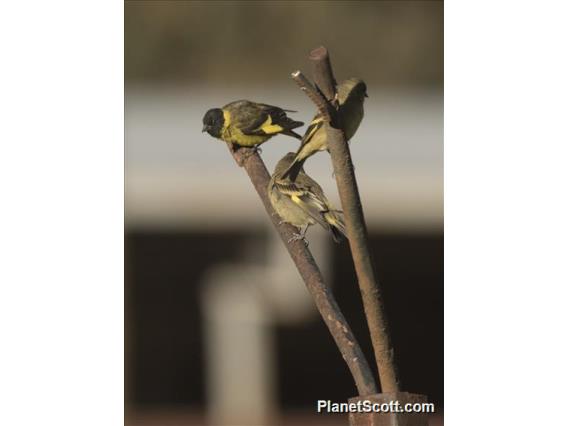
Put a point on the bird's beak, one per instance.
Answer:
(205, 127)
(366, 95)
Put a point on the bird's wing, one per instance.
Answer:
(306, 200)
(269, 120)
(314, 126)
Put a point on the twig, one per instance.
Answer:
(356, 229)
(312, 93)
(308, 269)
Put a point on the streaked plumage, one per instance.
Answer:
(246, 123)
(351, 95)
(302, 203)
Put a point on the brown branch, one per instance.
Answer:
(356, 229)
(312, 93)
(322, 66)
(308, 269)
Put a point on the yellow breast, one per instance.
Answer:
(232, 134)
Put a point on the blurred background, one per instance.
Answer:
(220, 328)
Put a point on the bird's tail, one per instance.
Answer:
(336, 225)
(290, 132)
(293, 169)
(287, 123)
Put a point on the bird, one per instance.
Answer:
(302, 203)
(351, 95)
(248, 124)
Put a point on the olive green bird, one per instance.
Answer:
(351, 95)
(302, 203)
(249, 124)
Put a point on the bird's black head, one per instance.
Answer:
(213, 122)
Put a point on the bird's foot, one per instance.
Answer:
(298, 237)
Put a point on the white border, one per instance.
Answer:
(61, 168)
(505, 212)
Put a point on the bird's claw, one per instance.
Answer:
(298, 237)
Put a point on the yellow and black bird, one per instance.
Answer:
(351, 95)
(246, 123)
(302, 203)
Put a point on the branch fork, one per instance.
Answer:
(325, 302)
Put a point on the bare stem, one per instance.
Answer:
(312, 93)
(322, 66)
(356, 227)
(308, 269)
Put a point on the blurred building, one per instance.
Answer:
(207, 285)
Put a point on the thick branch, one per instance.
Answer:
(322, 66)
(308, 269)
(356, 229)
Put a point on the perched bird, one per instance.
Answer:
(246, 123)
(302, 203)
(351, 95)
